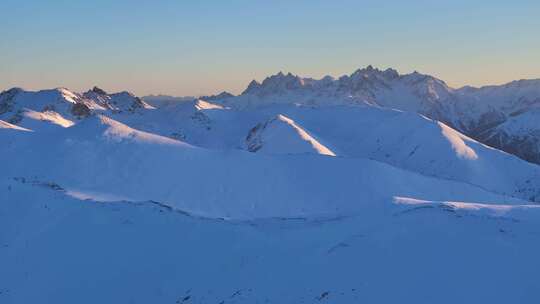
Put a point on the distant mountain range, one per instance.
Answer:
(506, 117)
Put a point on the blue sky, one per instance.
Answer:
(203, 47)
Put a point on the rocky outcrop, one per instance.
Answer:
(80, 110)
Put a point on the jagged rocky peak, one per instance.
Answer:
(128, 101)
(117, 102)
(371, 71)
(366, 79)
(98, 90)
(277, 83)
(366, 71)
(95, 93)
(281, 80)
(390, 73)
(253, 86)
(124, 94)
(7, 99)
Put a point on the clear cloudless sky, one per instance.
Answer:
(204, 47)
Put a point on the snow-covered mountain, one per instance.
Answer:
(117, 102)
(57, 106)
(343, 188)
(404, 140)
(221, 96)
(411, 92)
(61, 106)
(115, 162)
(520, 134)
(413, 142)
(476, 112)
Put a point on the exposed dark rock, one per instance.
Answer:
(80, 110)
(99, 91)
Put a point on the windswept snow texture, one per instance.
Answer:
(374, 187)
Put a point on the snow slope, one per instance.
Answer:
(104, 158)
(401, 139)
(282, 135)
(418, 144)
(405, 140)
(65, 250)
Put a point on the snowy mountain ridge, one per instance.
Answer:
(476, 112)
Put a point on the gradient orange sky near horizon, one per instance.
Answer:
(185, 48)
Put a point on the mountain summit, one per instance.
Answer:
(480, 113)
